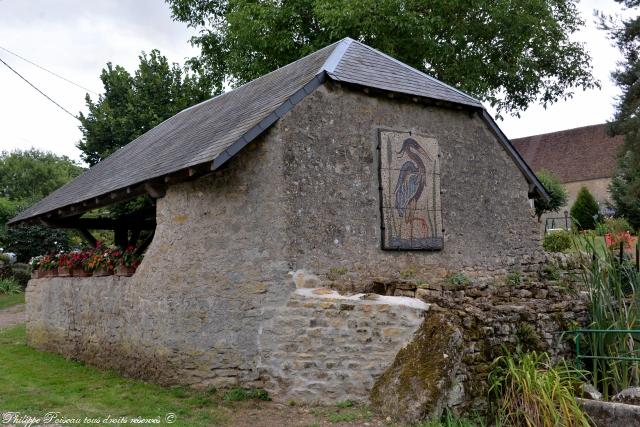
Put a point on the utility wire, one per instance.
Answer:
(41, 92)
(48, 71)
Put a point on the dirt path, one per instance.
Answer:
(13, 315)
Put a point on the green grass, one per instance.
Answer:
(11, 299)
(347, 414)
(34, 383)
(240, 394)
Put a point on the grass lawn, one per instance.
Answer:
(34, 383)
(9, 300)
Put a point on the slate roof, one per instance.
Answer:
(573, 155)
(216, 129)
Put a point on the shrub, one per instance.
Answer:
(585, 210)
(557, 241)
(613, 226)
(557, 194)
(530, 391)
(458, 279)
(10, 287)
(514, 278)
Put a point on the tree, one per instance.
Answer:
(26, 177)
(507, 52)
(557, 194)
(625, 185)
(585, 210)
(131, 105)
(32, 174)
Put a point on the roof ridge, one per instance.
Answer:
(336, 56)
(419, 72)
(561, 131)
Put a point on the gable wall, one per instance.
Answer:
(332, 195)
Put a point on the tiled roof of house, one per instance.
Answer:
(578, 154)
(213, 131)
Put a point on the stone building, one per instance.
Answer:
(580, 157)
(305, 224)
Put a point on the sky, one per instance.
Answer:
(76, 38)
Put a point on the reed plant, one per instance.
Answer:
(529, 391)
(614, 303)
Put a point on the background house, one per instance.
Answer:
(584, 156)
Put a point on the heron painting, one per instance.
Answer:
(410, 191)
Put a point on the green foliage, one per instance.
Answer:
(28, 242)
(450, 420)
(133, 104)
(528, 338)
(240, 394)
(613, 226)
(336, 272)
(557, 194)
(459, 279)
(585, 211)
(514, 278)
(18, 271)
(550, 272)
(614, 303)
(345, 404)
(10, 287)
(509, 53)
(557, 241)
(27, 176)
(408, 273)
(530, 391)
(625, 185)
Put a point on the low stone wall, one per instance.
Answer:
(316, 345)
(606, 414)
(323, 347)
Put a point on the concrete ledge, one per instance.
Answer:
(606, 414)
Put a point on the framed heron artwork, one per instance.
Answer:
(410, 191)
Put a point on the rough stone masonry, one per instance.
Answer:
(214, 302)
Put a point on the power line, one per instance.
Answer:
(48, 71)
(41, 92)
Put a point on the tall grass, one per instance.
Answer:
(530, 391)
(10, 286)
(614, 304)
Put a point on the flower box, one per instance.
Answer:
(123, 270)
(100, 272)
(79, 272)
(53, 272)
(64, 272)
(37, 274)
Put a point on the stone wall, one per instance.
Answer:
(318, 347)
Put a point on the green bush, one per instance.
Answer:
(458, 279)
(585, 210)
(555, 189)
(10, 287)
(557, 241)
(530, 391)
(614, 226)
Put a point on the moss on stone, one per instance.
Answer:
(418, 382)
